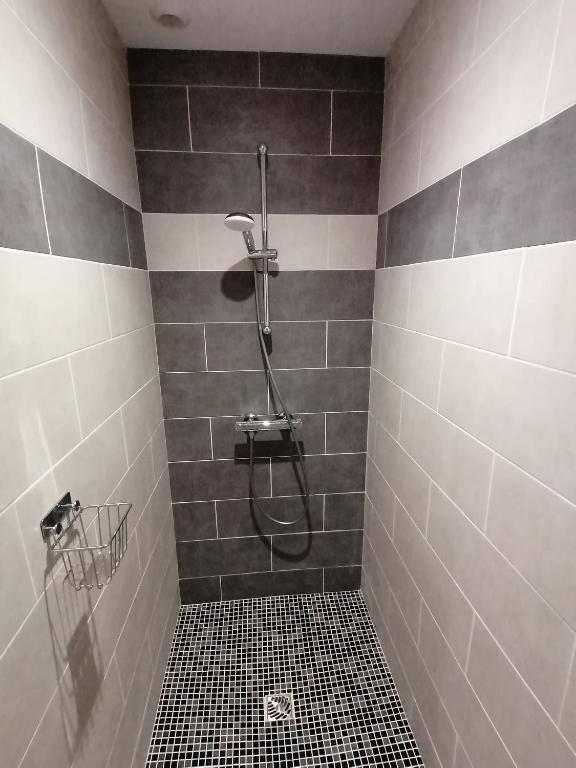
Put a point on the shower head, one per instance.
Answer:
(239, 222)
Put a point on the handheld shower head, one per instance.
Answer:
(239, 222)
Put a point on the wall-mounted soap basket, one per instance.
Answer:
(91, 540)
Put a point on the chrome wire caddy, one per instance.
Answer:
(91, 540)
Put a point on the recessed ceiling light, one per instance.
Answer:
(170, 13)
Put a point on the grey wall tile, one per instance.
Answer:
(330, 389)
(223, 556)
(194, 522)
(323, 295)
(21, 216)
(181, 182)
(160, 117)
(344, 511)
(229, 444)
(269, 584)
(381, 240)
(179, 67)
(339, 473)
(180, 347)
(192, 297)
(357, 123)
(316, 550)
(186, 395)
(522, 193)
(199, 590)
(84, 221)
(346, 432)
(342, 579)
(135, 233)
(422, 228)
(349, 343)
(291, 345)
(304, 70)
(242, 518)
(237, 120)
(208, 480)
(188, 439)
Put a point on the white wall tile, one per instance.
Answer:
(171, 241)
(469, 300)
(111, 159)
(219, 248)
(129, 300)
(39, 421)
(351, 242)
(391, 295)
(400, 168)
(37, 98)
(526, 413)
(562, 87)
(494, 18)
(545, 326)
(141, 416)
(301, 240)
(37, 327)
(385, 402)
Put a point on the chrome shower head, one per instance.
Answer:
(239, 222)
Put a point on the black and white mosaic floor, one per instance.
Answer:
(227, 657)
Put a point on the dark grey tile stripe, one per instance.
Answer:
(521, 194)
(41, 198)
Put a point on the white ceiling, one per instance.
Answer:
(356, 27)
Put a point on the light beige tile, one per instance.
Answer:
(535, 638)
(535, 530)
(150, 524)
(531, 737)
(380, 495)
(568, 718)
(159, 452)
(399, 170)
(17, 595)
(374, 578)
(135, 487)
(129, 301)
(425, 745)
(455, 461)
(412, 33)
(351, 242)
(387, 121)
(385, 400)
(391, 294)
(219, 248)
(469, 300)
(498, 98)
(115, 370)
(301, 240)
(96, 466)
(494, 18)
(404, 476)
(133, 639)
(442, 596)
(461, 758)
(111, 159)
(526, 413)
(39, 421)
(35, 329)
(371, 441)
(37, 98)
(475, 730)
(412, 361)
(545, 326)
(562, 88)
(429, 703)
(171, 241)
(141, 416)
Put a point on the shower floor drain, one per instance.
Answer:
(278, 706)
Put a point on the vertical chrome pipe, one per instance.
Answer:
(263, 160)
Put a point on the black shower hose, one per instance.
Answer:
(303, 481)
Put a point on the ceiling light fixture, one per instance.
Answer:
(170, 13)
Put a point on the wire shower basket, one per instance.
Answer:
(91, 540)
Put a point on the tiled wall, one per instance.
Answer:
(198, 118)
(468, 555)
(80, 402)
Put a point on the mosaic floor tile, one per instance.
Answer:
(227, 657)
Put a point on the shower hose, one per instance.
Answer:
(273, 386)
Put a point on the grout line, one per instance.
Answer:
(259, 370)
(124, 206)
(216, 518)
(276, 456)
(272, 154)
(331, 121)
(205, 350)
(442, 355)
(211, 438)
(326, 343)
(42, 199)
(489, 498)
(516, 302)
(77, 406)
(189, 118)
(469, 649)
(255, 87)
(571, 670)
(259, 71)
(316, 532)
(552, 60)
(457, 212)
(220, 580)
